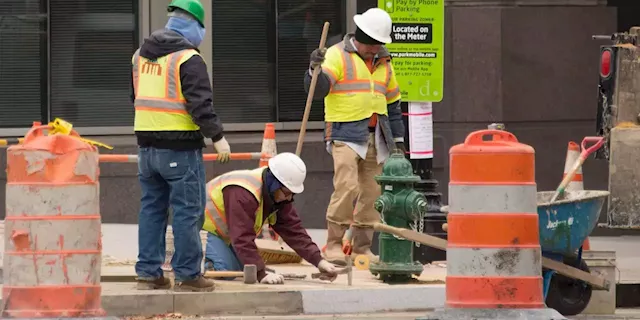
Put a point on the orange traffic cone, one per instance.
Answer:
(269, 150)
(268, 144)
(573, 152)
(577, 183)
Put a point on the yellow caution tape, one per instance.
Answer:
(59, 126)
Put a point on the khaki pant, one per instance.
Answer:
(353, 179)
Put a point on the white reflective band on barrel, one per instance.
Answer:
(48, 200)
(492, 198)
(220, 223)
(172, 85)
(494, 262)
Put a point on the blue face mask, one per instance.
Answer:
(190, 29)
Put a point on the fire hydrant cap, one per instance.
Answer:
(397, 169)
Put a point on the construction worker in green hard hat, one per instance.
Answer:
(174, 113)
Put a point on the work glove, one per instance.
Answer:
(223, 149)
(317, 57)
(328, 270)
(400, 147)
(272, 278)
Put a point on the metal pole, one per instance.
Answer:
(132, 158)
(428, 185)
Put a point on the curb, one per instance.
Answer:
(287, 302)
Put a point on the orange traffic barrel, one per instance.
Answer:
(53, 247)
(493, 254)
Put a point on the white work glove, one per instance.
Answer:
(223, 149)
(272, 278)
(329, 270)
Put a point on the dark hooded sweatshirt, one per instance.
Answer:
(196, 89)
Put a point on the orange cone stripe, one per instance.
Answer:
(494, 292)
(577, 177)
(492, 230)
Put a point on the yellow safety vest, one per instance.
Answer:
(356, 93)
(159, 103)
(215, 216)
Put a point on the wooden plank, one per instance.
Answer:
(559, 267)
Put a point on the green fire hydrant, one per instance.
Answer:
(403, 207)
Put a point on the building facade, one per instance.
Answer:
(528, 63)
(71, 59)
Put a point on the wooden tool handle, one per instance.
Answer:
(223, 274)
(597, 143)
(421, 238)
(431, 241)
(312, 89)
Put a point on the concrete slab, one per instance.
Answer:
(307, 296)
(627, 255)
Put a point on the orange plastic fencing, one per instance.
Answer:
(53, 250)
(493, 254)
(206, 156)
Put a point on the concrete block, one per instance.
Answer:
(624, 178)
(398, 299)
(239, 303)
(138, 304)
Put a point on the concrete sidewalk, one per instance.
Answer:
(295, 297)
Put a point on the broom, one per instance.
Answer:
(275, 252)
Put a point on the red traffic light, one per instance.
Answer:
(605, 63)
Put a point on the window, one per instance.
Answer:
(299, 30)
(243, 37)
(92, 42)
(23, 64)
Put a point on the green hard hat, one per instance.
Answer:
(194, 7)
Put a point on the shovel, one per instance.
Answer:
(597, 143)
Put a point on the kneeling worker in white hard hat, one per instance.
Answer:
(240, 202)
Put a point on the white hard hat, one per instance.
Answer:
(376, 23)
(290, 170)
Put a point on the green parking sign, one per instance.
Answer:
(417, 47)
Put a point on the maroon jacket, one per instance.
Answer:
(240, 207)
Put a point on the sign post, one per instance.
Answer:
(417, 52)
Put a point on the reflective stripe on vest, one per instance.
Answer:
(159, 103)
(359, 93)
(215, 216)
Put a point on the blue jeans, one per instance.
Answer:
(221, 256)
(176, 179)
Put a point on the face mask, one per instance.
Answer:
(190, 29)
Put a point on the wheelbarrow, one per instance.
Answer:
(564, 225)
(565, 221)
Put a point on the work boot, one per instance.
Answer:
(161, 283)
(333, 253)
(200, 284)
(361, 243)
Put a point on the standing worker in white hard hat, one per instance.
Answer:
(363, 124)
(240, 202)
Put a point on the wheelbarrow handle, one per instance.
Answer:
(597, 144)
